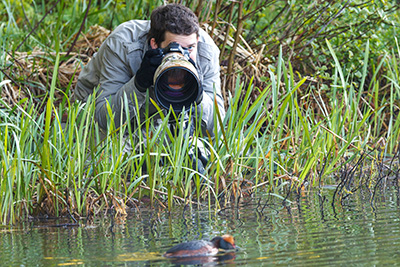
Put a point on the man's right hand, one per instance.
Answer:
(145, 74)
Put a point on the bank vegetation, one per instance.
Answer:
(312, 93)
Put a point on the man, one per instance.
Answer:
(126, 62)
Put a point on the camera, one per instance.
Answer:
(176, 48)
(176, 80)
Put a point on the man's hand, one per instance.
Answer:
(145, 74)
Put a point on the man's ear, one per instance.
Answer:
(153, 43)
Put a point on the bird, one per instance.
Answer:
(200, 248)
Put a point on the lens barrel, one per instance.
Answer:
(177, 83)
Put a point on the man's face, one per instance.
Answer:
(186, 41)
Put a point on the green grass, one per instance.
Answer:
(275, 137)
(49, 169)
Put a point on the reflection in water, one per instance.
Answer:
(223, 258)
(312, 230)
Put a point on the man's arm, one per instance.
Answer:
(116, 79)
(209, 64)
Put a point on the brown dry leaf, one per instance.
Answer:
(119, 205)
(30, 73)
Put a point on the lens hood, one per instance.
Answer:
(177, 83)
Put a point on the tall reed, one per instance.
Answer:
(54, 167)
(275, 137)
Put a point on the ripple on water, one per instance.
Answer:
(307, 232)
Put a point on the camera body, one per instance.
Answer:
(176, 48)
(176, 80)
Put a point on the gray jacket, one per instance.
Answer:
(114, 66)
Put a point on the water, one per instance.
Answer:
(307, 232)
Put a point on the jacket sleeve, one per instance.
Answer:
(209, 63)
(116, 79)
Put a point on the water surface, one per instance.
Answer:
(307, 232)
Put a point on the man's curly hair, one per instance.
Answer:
(174, 18)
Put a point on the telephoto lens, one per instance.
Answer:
(176, 81)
